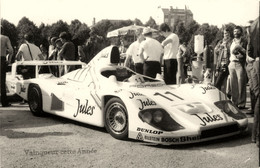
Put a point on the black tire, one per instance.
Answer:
(116, 119)
(35, 100)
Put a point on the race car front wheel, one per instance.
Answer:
(116, 118)
(35, 100)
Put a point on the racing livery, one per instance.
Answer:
(130, 105)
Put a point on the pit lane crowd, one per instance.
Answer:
(236, 64)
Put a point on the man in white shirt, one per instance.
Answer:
(171, 46)
(132, 53)
(237, 70)
(29, 51)
(151, 53)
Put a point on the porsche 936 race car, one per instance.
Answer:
(23, 70)
(130, 105)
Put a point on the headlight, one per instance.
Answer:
(159, 119)
(231, 110)
(157, 116)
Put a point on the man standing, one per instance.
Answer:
(28, 51)
(237, 68)
(222, 51)
(151, 53)
(132, 53)
(171, 46)
(67, 51)
(6, 47)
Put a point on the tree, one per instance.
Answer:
(191, 28)
(182, 32)
(138, 22)
(82, 33)
(58, 27)
(10, 31)
(74, 26)
(101, 28)
(151, 23)
(209, 32)
(26, 26)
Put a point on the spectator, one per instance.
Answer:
(81, 53)
(28, 51)
(237, 68)
(52, 48)
(93, 45)
(250, 59)
(170, 44)
(6, 47)
(255, 77)
(132, 53)
(44, 52)
(151, 53)
(67, 51)
(222, 51)
(180, 60)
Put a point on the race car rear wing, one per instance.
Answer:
(38, 64)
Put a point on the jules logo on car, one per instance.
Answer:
(209, 118)
(84, 108)
(145, 103)
(205, 89)
(134, 94)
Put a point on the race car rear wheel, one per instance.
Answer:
(35, 100)
(116, 118)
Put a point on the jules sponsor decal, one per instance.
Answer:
(180, 139)
(147, 85)
(209, 119)
(149, 131)
(84, 108)
(134, 95)
(205, 89)
(62, 83)
(150, 138)
(146, 103)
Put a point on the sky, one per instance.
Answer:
(214, 12)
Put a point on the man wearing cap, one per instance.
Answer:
(151, 53)
(171, 47)
(6, 47)
(132, 53)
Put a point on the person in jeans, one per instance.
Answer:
(222, 51)
(237, 70)
(6, 47)
(255, 77)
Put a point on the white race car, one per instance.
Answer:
(24, 70)
(130, 105)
